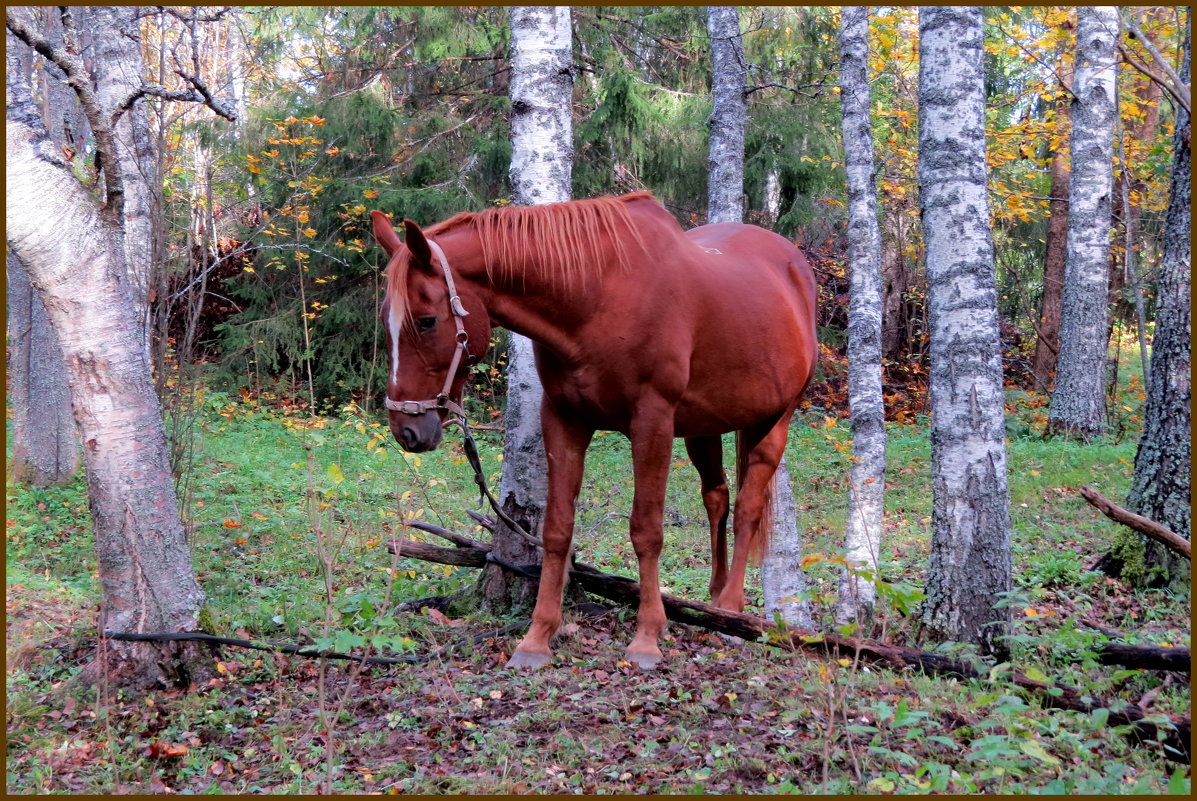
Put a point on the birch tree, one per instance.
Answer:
(862, 541)
(1078, 401)
(729, 116)
(970, 543)
(541, 162)
(75, 257)
(1162, 481)
(45, 450)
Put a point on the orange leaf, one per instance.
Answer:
(230, 523)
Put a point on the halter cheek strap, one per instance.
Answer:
(442, 400)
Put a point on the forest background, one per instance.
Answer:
(263, 300)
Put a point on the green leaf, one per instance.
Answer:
(1035, 674)
(1034, 749)
(1100, 716)
(1178, 784)
(334, 473)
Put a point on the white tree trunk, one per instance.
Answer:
(1078, 402)
(970, 545)
(729, 116)
(45, 449)
(76, 262)
(783, 584)
(541, 165)
(862, 540)
(116, 43)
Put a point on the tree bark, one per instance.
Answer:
(729, 116)
(862, 540)
(1162, 479)
(116, 44)
(1078, 401)
(1047, 341)
(970, 546)
(783, 584)
(76, 262)
(45, 450)
(541, 164)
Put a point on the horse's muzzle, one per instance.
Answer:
(416, 433)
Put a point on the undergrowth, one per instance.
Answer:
(290, 517)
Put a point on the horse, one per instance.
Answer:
(637, 327)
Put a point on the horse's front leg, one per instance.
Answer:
(565, 444)
(652, 447)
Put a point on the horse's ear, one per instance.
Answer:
(417, 244)
(384, 233)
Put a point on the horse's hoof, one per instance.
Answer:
(644, 661)
(528, 659)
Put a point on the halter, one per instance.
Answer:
(442, 401)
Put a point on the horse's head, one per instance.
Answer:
(423, 335)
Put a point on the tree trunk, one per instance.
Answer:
(1126, 209)
(783, 584)
(541, 165)
(1078, 401)
(970, 544)
(45, 449)
(862, 540)
(896, 334)
(1162, 480)
(76, 262)
(729, 116)
(1047, 341)
(116, 44)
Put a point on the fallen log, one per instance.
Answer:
(1145, 657)
(1143, 525)
(751, 627)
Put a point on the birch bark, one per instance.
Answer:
(1078, 401)
(862, 540)
(45, 449)
(75, 260)
(970, 546)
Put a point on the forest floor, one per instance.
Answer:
(268, 487)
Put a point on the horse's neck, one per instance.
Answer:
(528, 298)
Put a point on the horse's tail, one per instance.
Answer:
(760, 538)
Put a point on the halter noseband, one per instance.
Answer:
(442, 400)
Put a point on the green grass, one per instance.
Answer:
(266, 491)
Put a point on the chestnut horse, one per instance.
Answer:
(638, 327)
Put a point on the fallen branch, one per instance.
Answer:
(1139, 523)
(750, 627)
(1145, 657)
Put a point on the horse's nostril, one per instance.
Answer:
(409, 437)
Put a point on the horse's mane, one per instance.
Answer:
(564, 242)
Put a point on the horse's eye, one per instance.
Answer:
(425, 324)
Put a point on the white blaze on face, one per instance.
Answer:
(394, 324)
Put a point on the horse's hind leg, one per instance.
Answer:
(707, 455)
(565, 444)
(762, 448)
